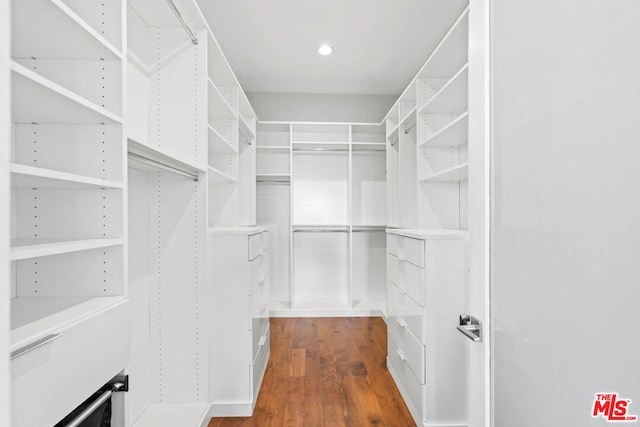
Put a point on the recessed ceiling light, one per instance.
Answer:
(325, 49)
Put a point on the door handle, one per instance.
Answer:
(470, 327)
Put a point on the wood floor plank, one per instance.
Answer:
(298, 360)
(326, 372)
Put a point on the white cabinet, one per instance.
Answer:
(426, 357)
(238, 275)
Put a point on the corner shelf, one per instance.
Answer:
(36, 99)
(454, 174)
(27, 249)
(25, 177)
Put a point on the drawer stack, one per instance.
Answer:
(238, 275)
(426, 276)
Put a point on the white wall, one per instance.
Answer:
(320, 107)
(566, 286)
(4, 214)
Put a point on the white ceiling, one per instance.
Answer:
(378, 45)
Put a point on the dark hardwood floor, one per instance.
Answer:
(326, 372)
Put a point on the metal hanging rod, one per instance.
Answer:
(368, 229)
(319, 230)
(274, 180)
(159, 165)
(175, 10)
(320, 149)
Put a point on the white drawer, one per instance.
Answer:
(404, 311)
(63, 373)
(259, 300)
(392, 268)
(409, 386)
(260, 363)
(406, 248)
(409, 278)
(259, 268)
(260, 325)
(258, 243)
(412, 350)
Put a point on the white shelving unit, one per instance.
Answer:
(169, 138)
(427, 265)
(322, 194)
(429, 122)
(67, 257)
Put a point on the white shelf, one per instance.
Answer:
(219, 108)
(35, 99)
(455, 134)
(426, 233)
(27, 249)
(55, 31)
(320, 146)
(160, 156)
(378, 146)
(277, 148)
(23, 176)
(368, 227)
(216, 175)
(35, 317)
(454, 174)
(452, 97)
(320, 228)
(173, 414)
(218, 144)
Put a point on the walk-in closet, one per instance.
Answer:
(340, 213)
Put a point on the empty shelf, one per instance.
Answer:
(23, 176)
(455, 134)
(454, 174)
(29, 248)
(35, 99)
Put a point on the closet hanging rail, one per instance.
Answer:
(305, 229)
(159, 165)
(175, 10)
(320, 149)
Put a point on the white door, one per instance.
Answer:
(479, 218)
(566, 220)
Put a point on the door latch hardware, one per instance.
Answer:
(470, 327)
